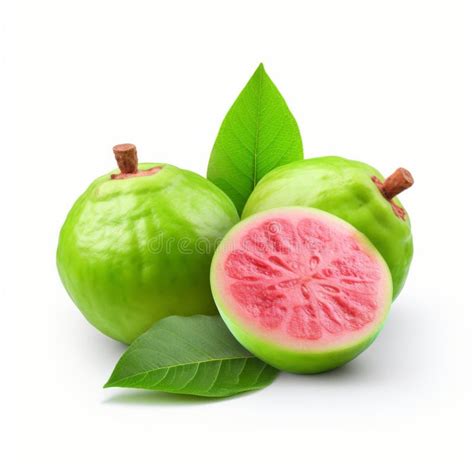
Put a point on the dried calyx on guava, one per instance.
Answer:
(137, 245)
(300, 288)
(351, 190)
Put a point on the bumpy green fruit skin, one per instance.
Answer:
(344, 188)
(133, 251)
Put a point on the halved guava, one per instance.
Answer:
(300, 288)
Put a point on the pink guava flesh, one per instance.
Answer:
(301, 279)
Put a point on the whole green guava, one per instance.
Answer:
(137, 245)
(352, 191)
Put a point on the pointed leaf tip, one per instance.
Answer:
(258, 134)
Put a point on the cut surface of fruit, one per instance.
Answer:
(300, 280)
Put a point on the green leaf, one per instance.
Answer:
(194, 355)
(258, 134)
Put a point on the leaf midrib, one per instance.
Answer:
(257, 131)
(168, 367)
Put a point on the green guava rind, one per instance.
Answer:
(344, 188)
(133, 251)
(290, 359)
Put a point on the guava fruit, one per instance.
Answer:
(300, 288)
(137, 245)
(351, 190)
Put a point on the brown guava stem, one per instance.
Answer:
(126, 156)
(397, 182)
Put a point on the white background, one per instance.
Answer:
(378, 81)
